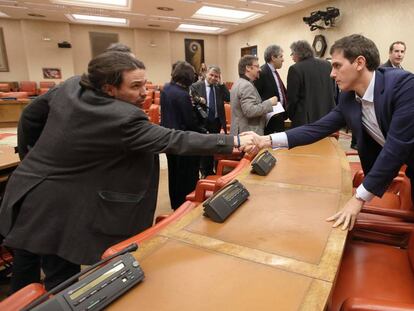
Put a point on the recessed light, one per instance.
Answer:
(200, 28)
(106, 4)
(95, 19)
(165, 8)
(36, 15)
(153, 25)
(228, 15)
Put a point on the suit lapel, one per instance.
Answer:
(203, 91)
(379, 99)
(271, 78)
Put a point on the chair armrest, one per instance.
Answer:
(394, 227)
(22, 297)
(367, 304)
(225, 163)
(150, 232)
(406, 215)
(203, 185)
(351, 153)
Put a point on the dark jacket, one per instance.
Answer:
(222, 95)
(310, 91)
(267, 88)
(91, 179)
(394, 109)
(176, 109)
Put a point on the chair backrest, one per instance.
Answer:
(42, 91)
(227, 111)
(46, 84)
(147, 103)
(28, 86)
(5, 87)
(225, 179)
(154, 114)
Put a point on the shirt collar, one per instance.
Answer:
(369, 93)
(271, 67)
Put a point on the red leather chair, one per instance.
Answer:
(150, 93)
(227, 111)
(46, 84)
(22, 298)
(154, 114)
(147, 103)
(182, 210)
(375, 276)
(42, 91)
(5, 87)
(157, 101)
(29, 87)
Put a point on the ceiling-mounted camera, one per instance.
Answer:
(322, 19)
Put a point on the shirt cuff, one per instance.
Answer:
(279, 140)
(364, 194)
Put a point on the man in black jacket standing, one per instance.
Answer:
(214, 94)
(310, 89)
(270, 84)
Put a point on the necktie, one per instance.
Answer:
(211, 105)
(282, 89)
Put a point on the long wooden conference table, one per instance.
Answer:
(276, 252)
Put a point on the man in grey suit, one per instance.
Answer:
(310, 89)
(248, 111)
(90, 177)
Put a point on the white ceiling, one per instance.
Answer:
(144, 13)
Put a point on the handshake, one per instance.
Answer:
(251, 142)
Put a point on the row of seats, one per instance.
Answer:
(26, 89)
(377, 268)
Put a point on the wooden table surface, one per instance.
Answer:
(276, 252)
(8, 158)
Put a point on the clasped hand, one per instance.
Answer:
(251, 142)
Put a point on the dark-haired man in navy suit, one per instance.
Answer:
(378, 105)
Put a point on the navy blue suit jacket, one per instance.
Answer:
(394, 109)
(176, 109)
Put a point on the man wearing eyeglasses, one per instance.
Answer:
(248, 111)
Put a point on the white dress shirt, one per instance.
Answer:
(279, 88)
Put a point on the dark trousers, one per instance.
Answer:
(207, 164)
(182, 177)
(26, 269)
(275, 124)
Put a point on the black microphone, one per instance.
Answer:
(130, 248)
